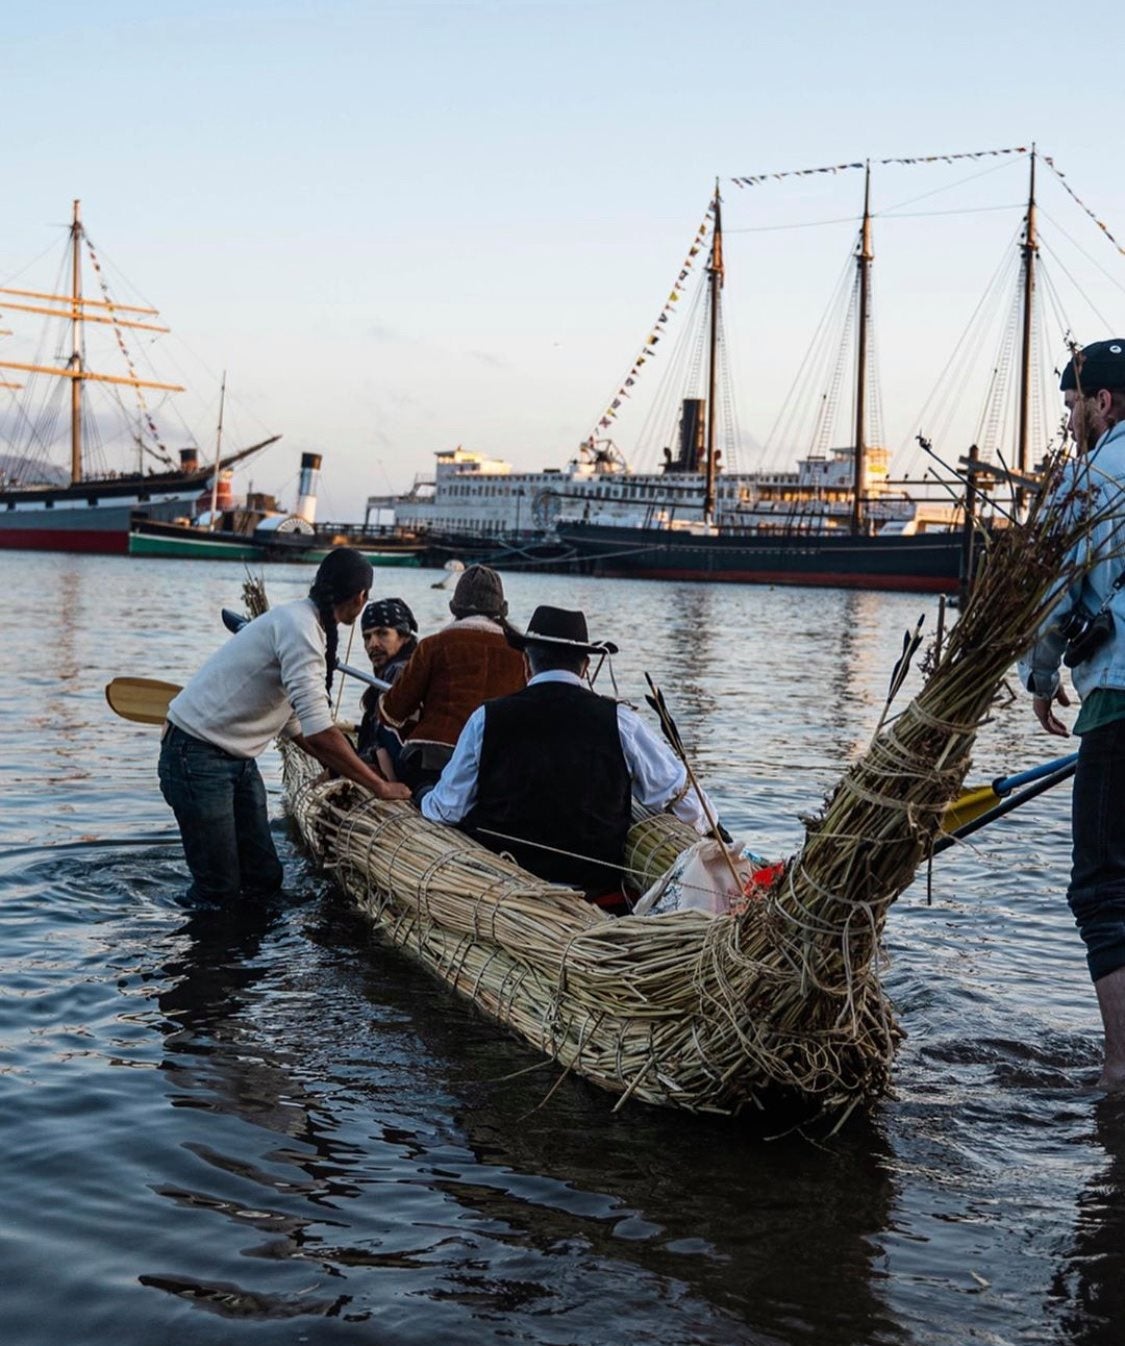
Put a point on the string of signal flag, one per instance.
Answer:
(648, 349)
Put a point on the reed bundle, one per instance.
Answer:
(709, 1013)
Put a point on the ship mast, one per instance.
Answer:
(1030, 250)
(218, 453)
(75, 309)
(715, 282)
(76, 353)
(864, 255)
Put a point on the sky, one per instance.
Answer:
(400, 227)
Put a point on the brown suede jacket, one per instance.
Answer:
(449, 675)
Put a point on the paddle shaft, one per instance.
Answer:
(235, 621)
(1006, 784)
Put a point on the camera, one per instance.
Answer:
(1084, 635)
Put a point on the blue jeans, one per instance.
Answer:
(220, 806)
(1097, 881)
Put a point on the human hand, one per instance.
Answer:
(392, 789)
(1050, 722)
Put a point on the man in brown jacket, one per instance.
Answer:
(450, 674)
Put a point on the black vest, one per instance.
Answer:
(552, 771)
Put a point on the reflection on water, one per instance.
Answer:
(1090, 1287)
(269, 1126)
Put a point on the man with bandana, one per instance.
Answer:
(1086, 631)
(390, 638)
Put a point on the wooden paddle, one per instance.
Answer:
(143, 700)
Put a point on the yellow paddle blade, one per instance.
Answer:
(968, 806)
(144, 700)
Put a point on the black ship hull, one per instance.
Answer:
(919, 563)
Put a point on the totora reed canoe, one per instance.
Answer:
(781, 1000)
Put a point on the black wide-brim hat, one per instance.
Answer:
(557, 629)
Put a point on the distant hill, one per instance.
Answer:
(26, 472)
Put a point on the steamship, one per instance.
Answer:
(254, 528)
(472, 502)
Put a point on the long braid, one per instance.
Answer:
(325, 604)
(344, 575)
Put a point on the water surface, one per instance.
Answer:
(269, 1128)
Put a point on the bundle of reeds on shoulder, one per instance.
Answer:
(780, 1000)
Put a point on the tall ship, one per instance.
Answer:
(835, 518)
(87, 505)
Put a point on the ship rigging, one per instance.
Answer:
(89, 505)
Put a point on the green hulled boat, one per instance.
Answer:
(187, 542)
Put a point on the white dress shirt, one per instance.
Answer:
(657, 776)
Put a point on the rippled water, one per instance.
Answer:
(275, 1130)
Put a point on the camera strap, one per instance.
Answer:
(1114, 589)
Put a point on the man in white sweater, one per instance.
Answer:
(274, 677)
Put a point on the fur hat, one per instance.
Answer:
(479, 593)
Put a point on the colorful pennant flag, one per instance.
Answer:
(754, 179)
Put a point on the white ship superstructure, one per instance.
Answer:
(473, 496)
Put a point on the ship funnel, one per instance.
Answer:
(306, 492)
(189, 460)
(691, 449)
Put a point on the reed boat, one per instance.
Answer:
(780, 998)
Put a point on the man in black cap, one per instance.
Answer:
(450, 674)
(1086, 631)
(389, 637)
(274, 677)
(548, 773)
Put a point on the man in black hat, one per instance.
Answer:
(449, 675)
(274, 677)
(548, 773)
(1086, 631)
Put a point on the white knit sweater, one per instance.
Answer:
(266, 680)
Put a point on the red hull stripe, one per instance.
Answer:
(828, 579)
(103, 542)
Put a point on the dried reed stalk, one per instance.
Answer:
(689, 1010)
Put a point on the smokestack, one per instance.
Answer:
(306, 492)
(692, 429)
(189, 460)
